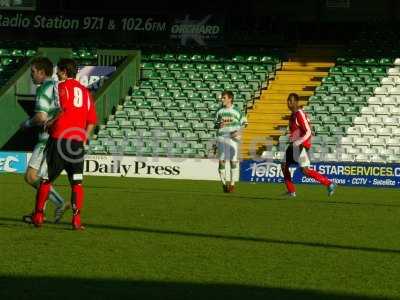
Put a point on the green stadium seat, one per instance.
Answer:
(183, 57)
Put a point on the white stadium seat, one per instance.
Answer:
(391, 100)
(396, 79)
(361, 120)
(380, 90)
(381, 111)
(376, 100)
(374, 121)
(394, 71)
(377, 142)
(316, 156)
(397, 62)
(387, 81)
(393, 159)
(396, 132)
(347, 157)
(267, 155)
(391, 122)
(368, 151)
(394, 90)
(394, 111)
(383, 151)
(332, 157)
(395, 142)
(367, 131)
(361, 141)
(383, 131)
(366, 110)
(377, 158)
(346, 140)
(353, 131)
(362, 158)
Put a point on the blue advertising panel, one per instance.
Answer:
(352, 174)
(13, 162)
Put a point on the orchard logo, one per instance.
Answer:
(197, 30)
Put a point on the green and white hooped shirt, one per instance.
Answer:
(47, 101)
(232, 119)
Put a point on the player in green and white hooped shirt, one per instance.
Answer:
(229, 122)
(46, 107)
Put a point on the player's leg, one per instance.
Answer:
(234, 164)
(50, 168)
(32, 178)
(74, 167)
(287, 161)
(221, 162)
(304, 162)
(222, 174)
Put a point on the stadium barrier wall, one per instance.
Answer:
(127, 166)
(351, 174)
(11, 112)
(118, 85)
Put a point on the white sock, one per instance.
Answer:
(222, 176)
(234, 172)
(55, 197)
(222, 172)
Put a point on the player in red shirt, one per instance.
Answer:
(69, 131)
(299, 146)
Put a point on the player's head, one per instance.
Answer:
(293, 101)
(41, 69)
(66, 68)
(227, 98)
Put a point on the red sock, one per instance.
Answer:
(77, 198)
(317, 176)
(288, 179)
(42, 195)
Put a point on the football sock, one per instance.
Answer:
(317, 176)
(234, 170)
(41, 196)
(77, 198)
(288, 179)
(222, 175)
(54, 197)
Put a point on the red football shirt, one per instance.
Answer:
(77, 111)
(300, 129)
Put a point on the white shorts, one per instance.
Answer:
(37, 157)
(228, 148)
(297, 155)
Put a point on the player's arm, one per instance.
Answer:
(42, 107)
(305, 126)
(39, 119)
(217, 121)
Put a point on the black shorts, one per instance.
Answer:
(62, 155)
(299, 156)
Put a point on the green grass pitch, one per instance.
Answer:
(168, 239)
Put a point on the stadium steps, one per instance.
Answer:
(268, 117)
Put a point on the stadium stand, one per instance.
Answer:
(355, 112)
(172, 111)
(11, 60)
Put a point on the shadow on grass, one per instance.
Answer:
(215, 236)
(69, 288)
